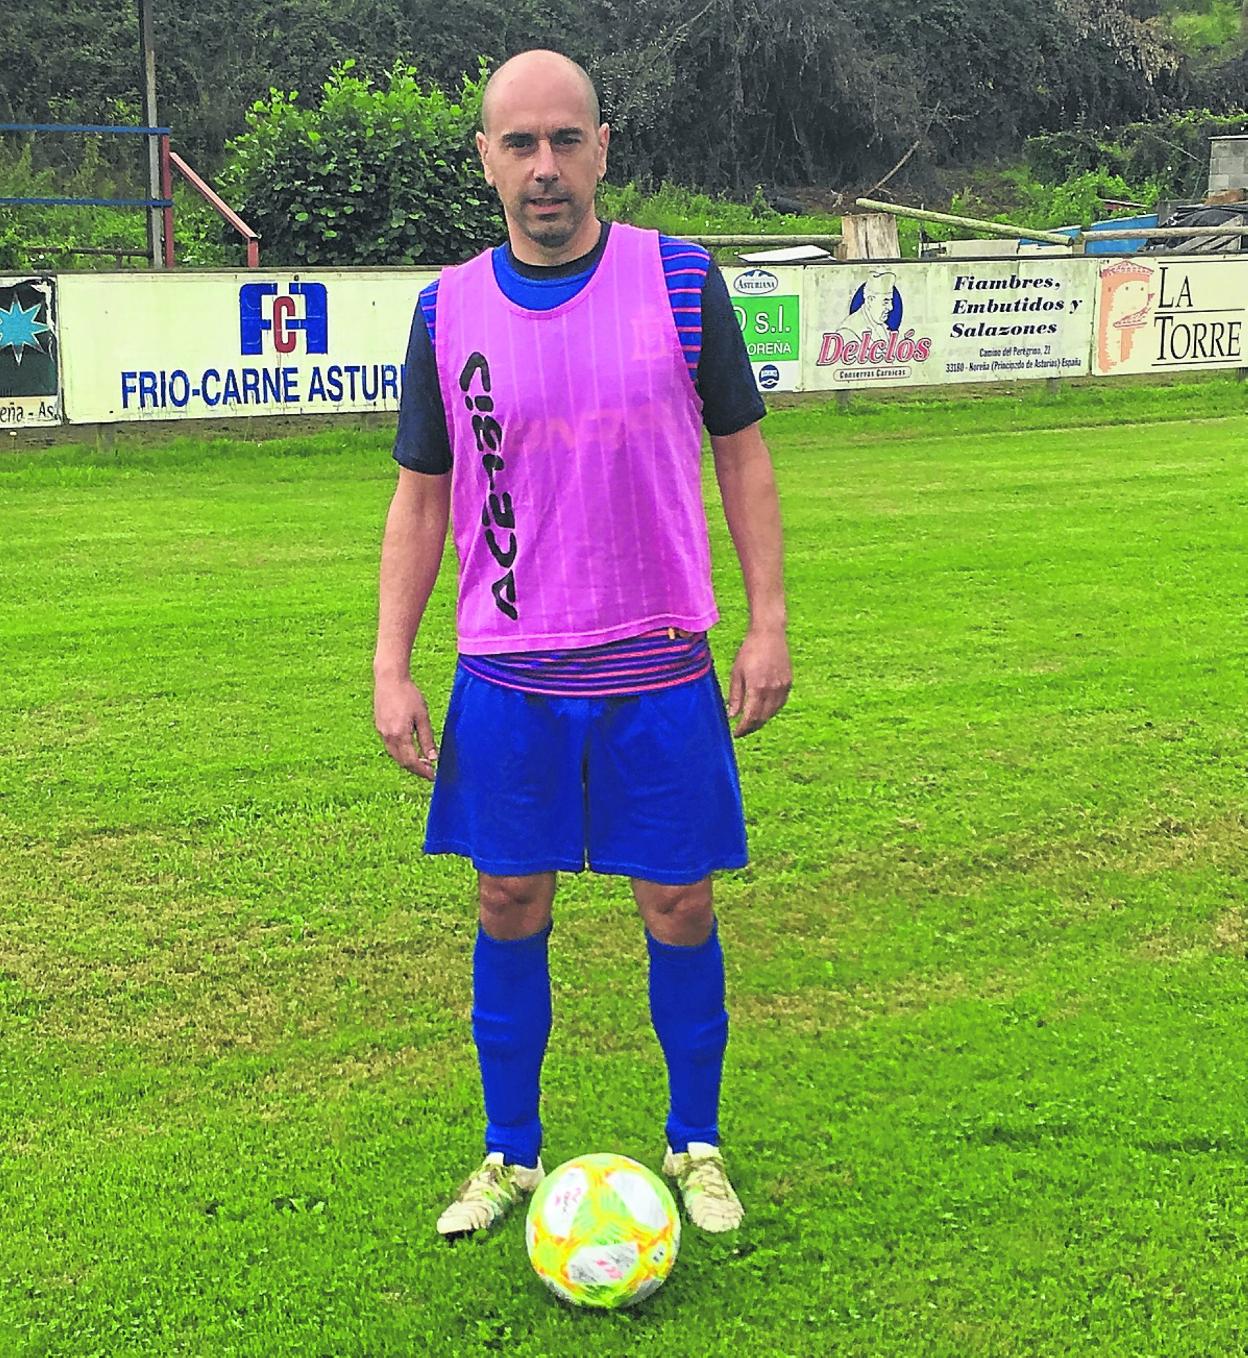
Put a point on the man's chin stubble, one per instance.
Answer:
(551, 237)
(554, 237)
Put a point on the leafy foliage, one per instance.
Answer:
(724, 93)
(56, 237)
(1208, 25)
(815, 91)
(1028, 202)
(679, 211)
(368, 175)
(1172, 153)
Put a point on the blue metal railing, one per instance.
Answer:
(86, 202)
(84, 127)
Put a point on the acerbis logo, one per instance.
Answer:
(755, 282)
(768, 376)
(262, 310)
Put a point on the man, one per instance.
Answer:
(555, 393)
(875, 312)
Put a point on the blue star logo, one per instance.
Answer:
(20, 330)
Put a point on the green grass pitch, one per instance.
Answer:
(988, 1070)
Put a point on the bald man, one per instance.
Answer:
(555, 395)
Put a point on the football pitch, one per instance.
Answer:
(987, 1076)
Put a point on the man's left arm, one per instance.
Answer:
(731, 409)
(761, 674)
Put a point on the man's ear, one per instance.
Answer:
(604, 140)
(483, 147)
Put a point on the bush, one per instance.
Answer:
(1215, 27)
(1170, 153)
(46, 237)
(371, 175)
(683, 212)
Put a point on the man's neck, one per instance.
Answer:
(528, 251)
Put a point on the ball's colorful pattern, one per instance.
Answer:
(602, 1230)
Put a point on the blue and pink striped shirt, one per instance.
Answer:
(659, 659)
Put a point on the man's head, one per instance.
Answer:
(544, 150)
(878, 296)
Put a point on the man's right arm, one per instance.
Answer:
(411, 549)
(411, 553)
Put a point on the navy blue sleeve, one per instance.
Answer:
(420, 442)
(730, 397)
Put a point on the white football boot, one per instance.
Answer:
(487, 1195)
(705, 1189)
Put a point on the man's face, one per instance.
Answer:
(878, 301)
(544, 156)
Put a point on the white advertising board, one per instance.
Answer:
(894, 325)
(768, 307)
(167, 346)
(29, 353)
(1156, 314)
(97, 348)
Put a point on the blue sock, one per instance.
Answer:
(687, 1009)
(511, 1025)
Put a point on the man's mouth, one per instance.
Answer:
(545, 204)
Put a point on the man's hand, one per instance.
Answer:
(761, 679)
(399, 710)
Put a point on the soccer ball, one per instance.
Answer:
(602, 1230)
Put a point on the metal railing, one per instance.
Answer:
(115, 252)
(169, 161)
(163, 204)
(1072, 240)
(778, 241)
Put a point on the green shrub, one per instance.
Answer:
(1172, 153)
(47, 237)
(679, 211)
(1075, 201)
(1214, 27)
(370, 175)
(11, 254)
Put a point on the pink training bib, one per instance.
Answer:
(576, 435)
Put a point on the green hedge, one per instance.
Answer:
(1172, 153)
(368, 174)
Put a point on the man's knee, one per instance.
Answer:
(681, 915)
(515, 907)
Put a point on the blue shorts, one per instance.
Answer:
(644, 786)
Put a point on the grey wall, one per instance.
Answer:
(1228, 164)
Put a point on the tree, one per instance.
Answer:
(370, 174)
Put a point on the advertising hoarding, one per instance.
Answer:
(189, 345)
(1156, 313)
(768, 307)
(196, 345)
(891, 325)
(29, 353)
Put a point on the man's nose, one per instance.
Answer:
(545, 166)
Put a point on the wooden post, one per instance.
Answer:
(147, 46)
(869, 235)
